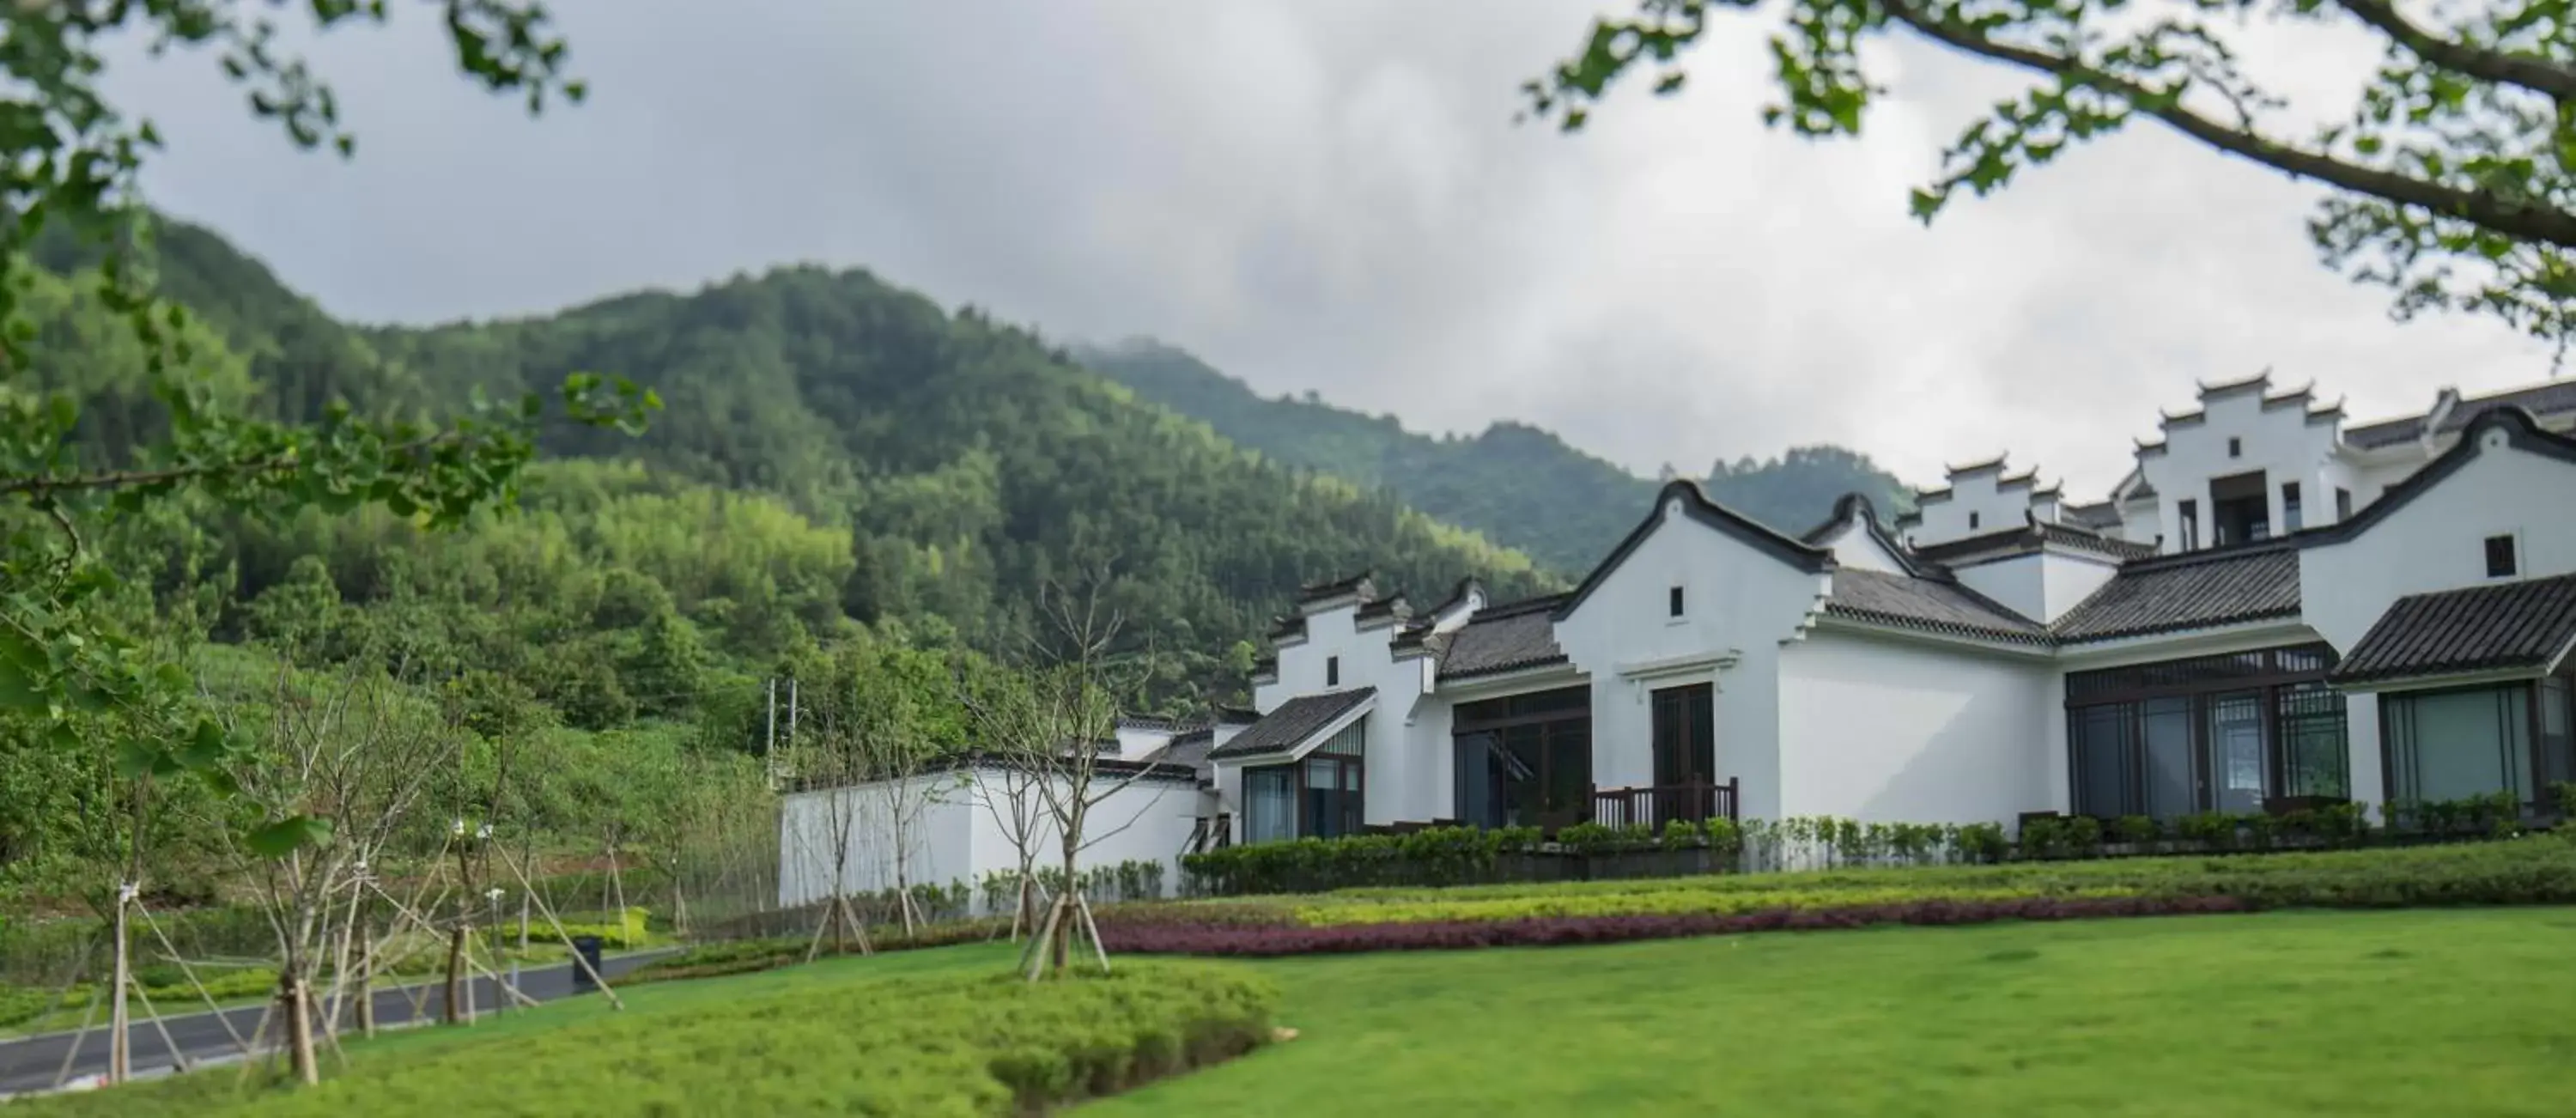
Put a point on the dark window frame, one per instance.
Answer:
(2504, 562)
(2536, 693)
(1972, 522)
(2293, 513)
(2281, 677)
(2235, 446)
(1674, 604)
(1332, 671)
(1682, 726)
(1557, 715)
(2343, 504)
(2188, 511)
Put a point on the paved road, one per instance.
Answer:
(33, 1063)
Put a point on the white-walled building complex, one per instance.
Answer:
(2272, 609)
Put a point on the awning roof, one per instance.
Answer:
(1293, 724)
(2513, 626)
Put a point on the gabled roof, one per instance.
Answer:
(1359, 584)
(2521, 431)
(1292, 724)
(2033, 534)
(1696, 505)
(2515, 625)
(1504, 638)
(1846, 507)
(1931, 604)
(2195, 590)
(2542, 399)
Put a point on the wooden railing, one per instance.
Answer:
(1656, 805)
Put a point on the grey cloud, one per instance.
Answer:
(1330, 195)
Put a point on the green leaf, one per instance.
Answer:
(288, 835)
(207, 748)
(136, 756)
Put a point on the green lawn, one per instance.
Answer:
(2452, 1012)
(2449, 1012)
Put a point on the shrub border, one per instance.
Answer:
(1253, 940)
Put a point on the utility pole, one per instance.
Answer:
(791, 713)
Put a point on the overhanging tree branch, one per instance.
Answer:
(2520, 220)
(2539, 75)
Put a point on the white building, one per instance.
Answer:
(2271, 609)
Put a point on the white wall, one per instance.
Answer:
(1854, 545)
(1980, 500)
(1740, 600)
(936, 848)
(2277, 438)
(1886, 730)
(2437, 541)
(958, 837)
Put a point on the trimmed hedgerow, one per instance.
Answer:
(984, 1044)
(2534, 870)
(1543, 931)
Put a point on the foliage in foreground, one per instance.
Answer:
(2535, 870)
(950, 1044)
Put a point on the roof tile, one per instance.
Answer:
(2483, 628)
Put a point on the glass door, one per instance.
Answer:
(2235, 770)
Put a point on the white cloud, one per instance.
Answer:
(1330, 195)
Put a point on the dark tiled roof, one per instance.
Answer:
(1236, 716)
(2526, 624)
(1392, 605)
(2541, 399)
(2099, 515)
(1287, 628)
(1186, 749)
(2085, 539)
(2191, 591)
(1288, 726)
(1356, 584)
(1500, 638)
(1934, 605)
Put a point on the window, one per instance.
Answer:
(2235, 448)
(1332, 671)
(1673, 606)
(2343, 504)
(1972, 522)
(2210, 733)
(1319, 797)
(2189, 512)
(2451, 745)
(1525, 761)
(2290, 514)
(2500, 557)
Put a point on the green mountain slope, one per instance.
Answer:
(968, 463)
(1515, 484)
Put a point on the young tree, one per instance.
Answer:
(2450, 176)
(335, 772)
(1009, 791)
(1078, 675)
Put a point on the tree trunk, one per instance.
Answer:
(454, 1010)
(299, 1030)
(120, 1049)
(366, 991)
(1063, 946)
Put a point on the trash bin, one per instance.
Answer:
(587, 947)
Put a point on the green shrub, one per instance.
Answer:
(914, 1045)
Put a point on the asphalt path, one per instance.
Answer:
(33, 1064)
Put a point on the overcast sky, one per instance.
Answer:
(1331, 195)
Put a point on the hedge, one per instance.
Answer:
(1179, 938)
(2531, 870)
(932, 1045)
(1447, 856)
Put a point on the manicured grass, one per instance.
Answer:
(2454, 1012)
(929, 1036)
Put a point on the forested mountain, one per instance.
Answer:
(1516, 484)
(834, 452)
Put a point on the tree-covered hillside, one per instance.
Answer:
(839, 449)
(1515, 484)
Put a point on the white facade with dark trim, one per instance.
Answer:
(2178, 647)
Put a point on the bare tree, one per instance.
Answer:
(1009, 791)
(1077, 676)
(339, 770)
(830, 758)
(901, 783)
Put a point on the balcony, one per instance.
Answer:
(1657, 804)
